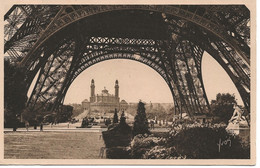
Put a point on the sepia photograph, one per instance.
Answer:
(128, 83)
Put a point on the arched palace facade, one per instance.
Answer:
(104, 104)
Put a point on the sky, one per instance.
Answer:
(138, 81)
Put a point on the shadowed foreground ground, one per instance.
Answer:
(52, 145)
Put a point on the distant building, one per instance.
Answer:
(104, 104)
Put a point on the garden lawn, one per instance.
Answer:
(52, 145)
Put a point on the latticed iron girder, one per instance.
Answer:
(189, 95)
(52, 75)
(25, 23)
(235, 66)
(213, 21)
(180, 63)
(173, 47)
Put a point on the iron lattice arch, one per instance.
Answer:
(59, 42)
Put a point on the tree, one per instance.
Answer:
(122, 118)
(77, 109)
(64, 113)
(140, 123)
(157, 111)
(222, 107)
(29, 115)
(15, 93)
(115, 119)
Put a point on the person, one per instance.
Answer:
(35, 126)
(152, 124)
(27, 125)
(41, 127)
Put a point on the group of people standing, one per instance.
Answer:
(27, 124)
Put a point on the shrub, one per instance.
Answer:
(116, 139)
(202, 143)
(143, 143)
(140, 123)
(115, 118)
(117, 136)
(197, 142)
(122, 118)
(117, 153)
(161, 152)
(222, 107)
